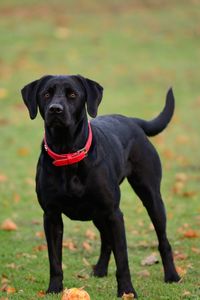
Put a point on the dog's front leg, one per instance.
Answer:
(118, 239)
(53, 227)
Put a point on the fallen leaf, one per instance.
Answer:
(86, 246)
(30, 181)
(182, 177)
(181, 271)
(4, 122)
(178, 188)
(179, 255)
(151, 227)
(40, 248)
(90, 234)
(189, 194)
(182, 139)
(3, 93)
(69, 245)
(182, 160)
(41, 294)
(150, 260)
(10, 290)
(23, 151)
(140, 223)
(82, 276)
(16, 198)
(27, 255)
(167, 153)
(144, 273)
(40, 234)
(4, 279)
(36, 222)
(186, 294)
(195, 250)
(3, 178)
(62, 32)
(12, 266)
(9, 225)
(3, 287)
(128, 296)
(86, 262)
(191, 234)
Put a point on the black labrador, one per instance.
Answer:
(84, 183)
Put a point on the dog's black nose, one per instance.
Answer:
(55, 109)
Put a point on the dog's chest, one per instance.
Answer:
(76, 203)
(71, 184)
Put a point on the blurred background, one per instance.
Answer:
(136, 49)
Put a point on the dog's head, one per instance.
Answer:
(62, 99)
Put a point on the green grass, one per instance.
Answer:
(136, 50)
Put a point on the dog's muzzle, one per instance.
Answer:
(55, 109)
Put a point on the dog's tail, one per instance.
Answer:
(158, 124)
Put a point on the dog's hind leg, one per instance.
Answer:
(146, 184)
(101, 268)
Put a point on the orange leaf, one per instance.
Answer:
(3, 93)
(3, 178)
(181, 177)
(23, 151)
(167, 153)
(178, 187)
(181, 271)
(189, 194)
(40, 248)
(191, 234)
(195, 250)
(180, 256)
(10, 290)
(40, 234)
(86, 246)
(8, 225)
(69, 245)
(62, 32)
(16, 198)
(41, 294)
(90, 234)
(182, 139)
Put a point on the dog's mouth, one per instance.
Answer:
(55, 121)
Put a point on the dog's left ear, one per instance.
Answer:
(94, 94)
(30, 95)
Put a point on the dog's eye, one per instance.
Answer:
(72, 95)
(47, 95)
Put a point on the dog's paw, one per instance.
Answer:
(55, 286)
(99, 271)
(120, 293)
(170, 278)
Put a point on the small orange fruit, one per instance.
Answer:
(75, 294)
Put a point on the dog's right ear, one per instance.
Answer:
(30, 95)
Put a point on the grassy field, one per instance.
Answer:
(136, 50)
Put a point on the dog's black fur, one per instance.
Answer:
(89, 190)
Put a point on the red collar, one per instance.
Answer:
(69, 158)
